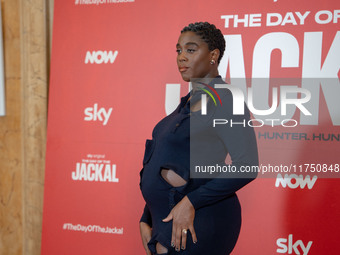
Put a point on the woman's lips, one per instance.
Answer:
(183, 69)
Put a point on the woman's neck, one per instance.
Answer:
(199, 82)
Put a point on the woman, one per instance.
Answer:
(186, 215)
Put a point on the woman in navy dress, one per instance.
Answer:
(196, 216)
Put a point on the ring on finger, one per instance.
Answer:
(185, 231)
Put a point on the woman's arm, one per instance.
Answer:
(240, 141)
(238, 138)
(145, 227)
(146, 216)
(145, 233)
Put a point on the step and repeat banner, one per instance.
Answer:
(114, 76)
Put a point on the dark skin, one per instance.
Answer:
(194, 60)
(194, 56)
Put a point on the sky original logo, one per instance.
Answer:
(287, 246)
(97, 114)
(95, 168)
(100, 57)
(97, 172)
(294, 181)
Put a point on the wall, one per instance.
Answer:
(26, 33)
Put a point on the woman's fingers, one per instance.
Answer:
(168, 218)
(193, 234)
(179, 236)
(183, 215)
(173, 235)
(184, 238)
(178, 239)
(176, 236)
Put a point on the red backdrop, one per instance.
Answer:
(114, 75)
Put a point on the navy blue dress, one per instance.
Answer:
(217, 209)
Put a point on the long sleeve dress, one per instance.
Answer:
(188, 143)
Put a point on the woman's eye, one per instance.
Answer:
(178, 51)
(191, 50)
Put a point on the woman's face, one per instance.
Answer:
(193, 57)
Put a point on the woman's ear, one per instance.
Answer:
(214, 55)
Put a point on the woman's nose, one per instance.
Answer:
(181, 57)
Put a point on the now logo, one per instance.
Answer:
(293, 181)
(97, 114)
(287, 246)
(99, 57)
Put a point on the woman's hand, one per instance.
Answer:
(182, 216)
(145, 232)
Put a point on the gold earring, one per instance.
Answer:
(212, 62)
